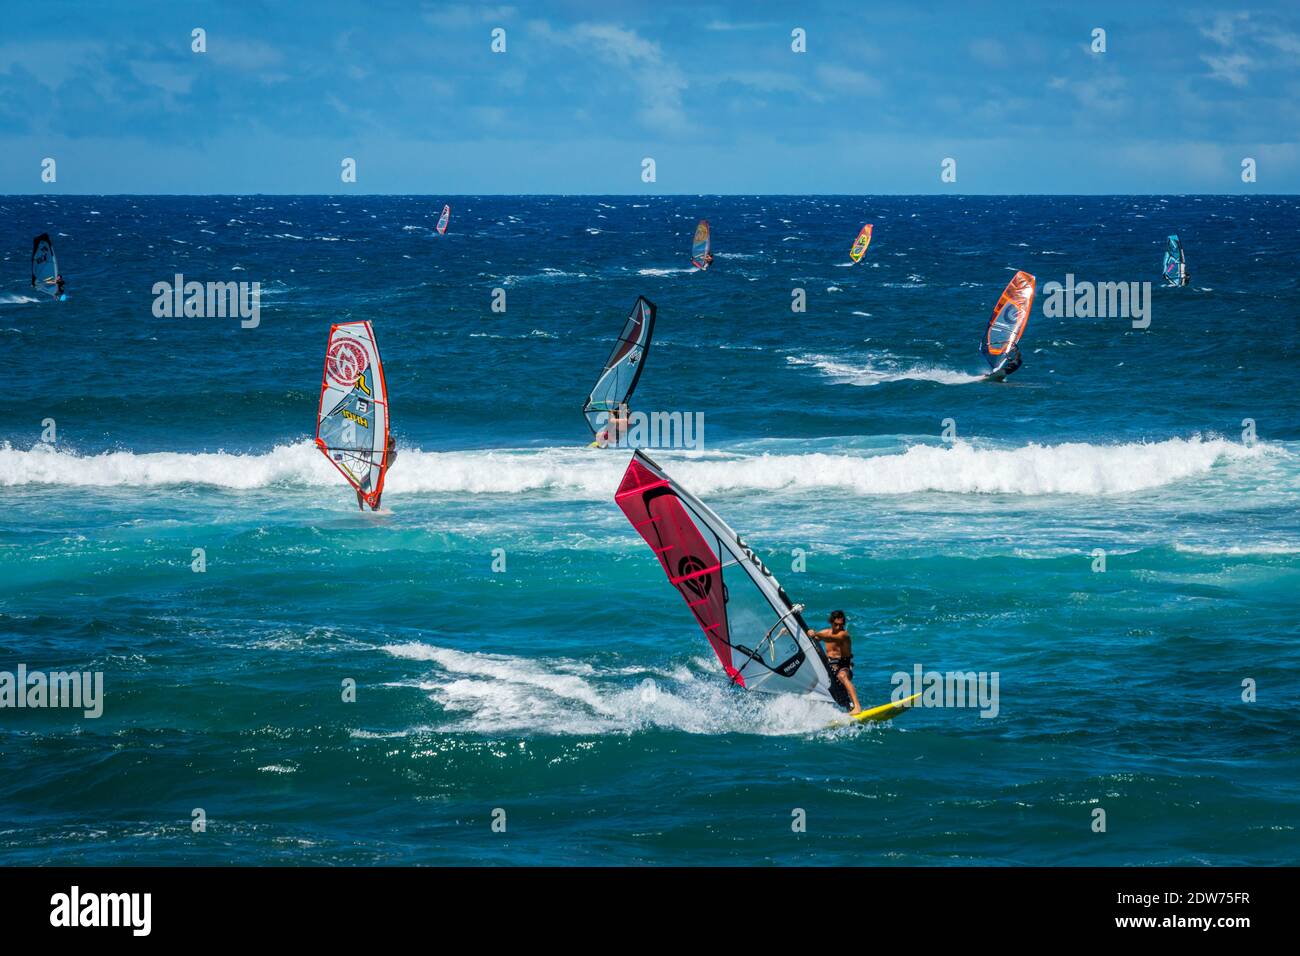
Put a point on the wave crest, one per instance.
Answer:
(1073, 468)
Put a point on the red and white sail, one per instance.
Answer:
(758, 634)
(352, 418)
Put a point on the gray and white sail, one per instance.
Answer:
(622, 370)
(45, 267)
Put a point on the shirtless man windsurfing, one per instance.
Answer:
(615, 428)
(839, 653)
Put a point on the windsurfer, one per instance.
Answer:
(839, 654)
(1013, 361)
(58, 282)
(615, 427)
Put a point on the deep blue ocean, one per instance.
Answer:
(573, 690)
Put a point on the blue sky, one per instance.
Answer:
(712, 91)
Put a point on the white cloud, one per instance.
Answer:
(53, 62)
(1248, 46)
(249, 56)
(455, 16)
(512, 80)
(765, 81)
(844, 80)
(1223, 28)
(990, 53)
(1231, 68)
(1286, 42)
(722, 25)
(1104, 94)
(165, 76)
(360, 117)
(659, 81)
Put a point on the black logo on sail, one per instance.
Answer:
(699, 586)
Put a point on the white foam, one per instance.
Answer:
(962, 468)
(547, 274)
(1238, 550)
(882, 368)
(664, 272)
(496, 693)
(1073, 468)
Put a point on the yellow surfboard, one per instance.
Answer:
(883, 712)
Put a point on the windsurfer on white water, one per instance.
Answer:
(839, 654)
(615, 427)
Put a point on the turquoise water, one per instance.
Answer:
(572, 689)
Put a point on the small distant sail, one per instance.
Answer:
(758, 634)
(700, 257)
(622, 371)
(45, 267)
(860, 244)
(1175, 262)
(443, 220)
(352, 419)
(1010, 316)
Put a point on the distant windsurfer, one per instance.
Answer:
(615, 428)
(58, 283)
(1012, 363)
(707, 260)
(839, 654)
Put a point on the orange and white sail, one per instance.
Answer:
(1010, 316)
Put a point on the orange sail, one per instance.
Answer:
(1010, 316)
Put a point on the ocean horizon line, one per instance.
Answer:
(888, 195)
